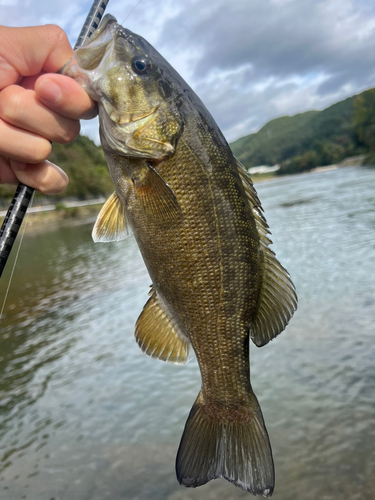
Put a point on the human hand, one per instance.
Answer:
(37, 106)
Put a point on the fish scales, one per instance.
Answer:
(199, 225)
(199, 263)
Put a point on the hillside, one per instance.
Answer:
(303, 141)
(273, 141)
(86, 168)
(85, 165)
(298, 143)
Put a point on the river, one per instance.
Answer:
(86, 416)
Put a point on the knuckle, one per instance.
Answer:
(57, 33)
(10, 104)
(70, 133)
(6, 173)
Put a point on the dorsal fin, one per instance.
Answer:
(158, 335)
(277, 296)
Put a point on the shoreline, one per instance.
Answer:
(259, 178)
(40, 221)
(50, 217)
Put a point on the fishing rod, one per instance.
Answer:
(23, 194)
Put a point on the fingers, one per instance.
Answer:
(22, 145)
(45, 176)
(23, 110)
(28, 51)
(65, 96)
(30, 120)
(7, 176)
(38, 110)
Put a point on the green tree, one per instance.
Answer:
(364, 118)
(302, 163)
(330, 152)
(85, 166)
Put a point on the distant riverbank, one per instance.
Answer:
(48, 217)
(352, 161)
(41, 220)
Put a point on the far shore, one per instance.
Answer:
(40, 221)
(271, 176)
(50, 217)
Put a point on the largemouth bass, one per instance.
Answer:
(200, 227)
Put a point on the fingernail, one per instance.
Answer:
(49, 91)
(18, 165)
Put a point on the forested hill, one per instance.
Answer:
(297, 143)
(85, 165)
(306, 140)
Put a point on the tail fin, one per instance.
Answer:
(236, 450)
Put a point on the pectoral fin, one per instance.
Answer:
(158, 335)
(277, 296)
(111, 224)
(156, 197)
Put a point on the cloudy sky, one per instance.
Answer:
(248, 60)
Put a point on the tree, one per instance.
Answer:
(303, 163)
(364, 118)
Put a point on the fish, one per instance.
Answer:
(201, 230)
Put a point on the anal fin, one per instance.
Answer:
(158, 335)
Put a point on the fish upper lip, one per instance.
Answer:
(121, 32)
(136, 117)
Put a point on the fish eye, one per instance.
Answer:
(141, 65)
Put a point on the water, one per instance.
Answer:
(86, 416)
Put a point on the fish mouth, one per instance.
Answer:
(127, 119)
(124, 138)
(107, 28)
(130, 122)
(123, 33)
(90, 55)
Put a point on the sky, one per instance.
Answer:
(249, 60)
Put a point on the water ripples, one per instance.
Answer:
(84, 414)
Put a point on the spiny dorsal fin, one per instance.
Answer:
(277, 296)
(158, 335)
(111, 224)
(156, 197)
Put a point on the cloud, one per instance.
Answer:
(69, 16)
(275, 56)
(277, 39)
(248, 61)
